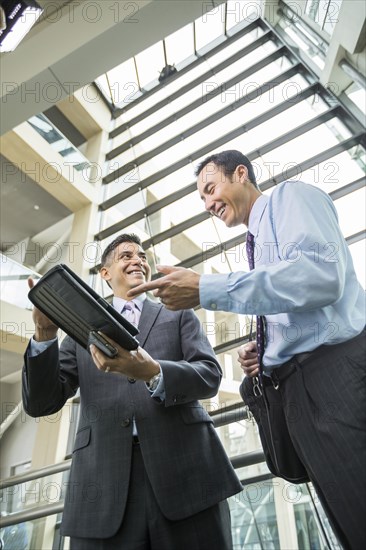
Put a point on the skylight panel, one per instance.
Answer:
(210, 26)
(123, 83)
(180, 45)
(245, 10)
(149, 63)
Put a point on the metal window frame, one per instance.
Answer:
(247, 28)
(336, 109)
(281, 51)
(158, 205)
(270, 182)
(307, 92)
(348, 120)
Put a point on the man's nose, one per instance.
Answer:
(136, 260)
(209, 204)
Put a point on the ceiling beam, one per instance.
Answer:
(30, 153)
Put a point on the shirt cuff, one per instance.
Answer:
(213, 292)
(36, 348)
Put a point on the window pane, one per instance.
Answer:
(248, 10)
(210, 26)
(149, 63)
(236, 118)
(180, 45)
(351, 212)
(195, 72)
(358, 255)
(297, 150)
(123, 82)
(212, 106)
(332, 16)
(334, 172)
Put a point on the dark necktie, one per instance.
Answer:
(259, 319)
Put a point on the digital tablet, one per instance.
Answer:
(78, 310)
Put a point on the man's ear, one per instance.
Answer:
(104, 273)
(242, 172)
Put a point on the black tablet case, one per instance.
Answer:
(77, 309)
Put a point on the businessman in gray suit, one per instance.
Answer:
(148, 469)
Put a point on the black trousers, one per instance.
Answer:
(145, 528)
(325, 404)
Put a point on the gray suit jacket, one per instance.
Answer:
(183, 456)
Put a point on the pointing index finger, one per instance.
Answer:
(152, 285)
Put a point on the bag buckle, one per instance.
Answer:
(256, 387)
(250, 416)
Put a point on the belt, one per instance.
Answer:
(279, 374)
(135, 440)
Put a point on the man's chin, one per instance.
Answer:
(232, 223)
(137, 282)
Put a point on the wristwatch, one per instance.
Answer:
(152, 384)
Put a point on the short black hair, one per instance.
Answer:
(123, 238)
(228, 161)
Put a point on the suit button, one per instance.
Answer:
(178, 397)
(131, 380)
(126, 422)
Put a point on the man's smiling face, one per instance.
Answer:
(228, 198)
(126, 267)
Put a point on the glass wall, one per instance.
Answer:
(287, 124)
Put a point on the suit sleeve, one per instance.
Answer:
(48, 381)
(198, 374)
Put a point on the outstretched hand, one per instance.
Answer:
(178, 289)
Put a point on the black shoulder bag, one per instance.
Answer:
(265, 404)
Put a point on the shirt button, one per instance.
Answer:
(213, 305)
(131, 380)
(126, 422)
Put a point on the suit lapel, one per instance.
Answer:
(149, 313)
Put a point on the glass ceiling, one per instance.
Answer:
(139, 74)
(143, 145)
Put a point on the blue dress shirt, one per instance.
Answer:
(304, 281)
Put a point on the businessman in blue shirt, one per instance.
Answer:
(305, 286)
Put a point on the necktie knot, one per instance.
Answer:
(129, 311)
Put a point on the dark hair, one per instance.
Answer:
(228, 161)
(124, 238)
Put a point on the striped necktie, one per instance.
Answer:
(259, 318)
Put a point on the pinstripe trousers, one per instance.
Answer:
(325, 405)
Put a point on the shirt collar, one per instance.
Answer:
(119, 303)
(256, 214)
